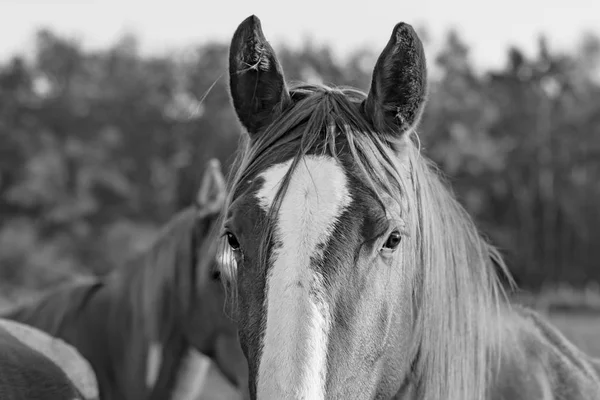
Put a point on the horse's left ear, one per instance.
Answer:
(399, 83)
(211, 194)
(256, 81)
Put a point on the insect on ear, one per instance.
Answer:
(256, 81)
(399, 84)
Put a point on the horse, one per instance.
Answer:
(354, 271)
(34, 365)
(148, 327)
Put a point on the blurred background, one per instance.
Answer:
(109, 110)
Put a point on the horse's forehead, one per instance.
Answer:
(318, 184)
(331, 181)
(311, 207)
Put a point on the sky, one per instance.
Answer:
(487, 27)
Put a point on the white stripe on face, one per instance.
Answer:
(153, 362)
(294, 354)
(191, 376)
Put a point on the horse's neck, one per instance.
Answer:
(122, 350)
(177, 370)
(107, 334)
(53, 311)
(192, 375)
(537, 361)
(75, 313)
(164, 351)
(112, 331)
(165, 367)
(101, 324)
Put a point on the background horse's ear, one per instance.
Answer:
(211, 194)
(399, 84)
(256, 79)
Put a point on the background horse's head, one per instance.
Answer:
(211, 294)
(184, 292)
(354, 268)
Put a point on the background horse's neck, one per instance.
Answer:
(80, 314)
(101, 319)
(131, 292)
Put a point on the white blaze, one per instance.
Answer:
(153, 362)
(191, 376)
(294, 356)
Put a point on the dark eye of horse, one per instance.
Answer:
(233, 242)
(393, 240)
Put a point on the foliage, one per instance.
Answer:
(99, 148)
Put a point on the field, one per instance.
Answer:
(576, 312)
(582, 329)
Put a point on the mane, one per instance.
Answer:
(457, 296)
(160, 283)
(156, 284)
(52, 309)
(149, 298)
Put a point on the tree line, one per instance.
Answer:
(99, 148)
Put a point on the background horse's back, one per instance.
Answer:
(34, 365)
(139, 325)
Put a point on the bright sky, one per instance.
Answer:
(488, 27)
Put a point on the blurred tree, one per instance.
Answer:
(98, 148)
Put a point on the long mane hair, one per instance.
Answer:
(457, 297)
(154, 285)
(147, 299)
(159, 283)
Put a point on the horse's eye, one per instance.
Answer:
(233, 242)
(393, 241)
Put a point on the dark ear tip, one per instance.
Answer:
(404, 33)
(249, 26)
(403, 26)
(253, 19)
(243, 48)
(245, 39)
(251, 22)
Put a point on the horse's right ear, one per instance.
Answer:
(256, 79)
(211, 194)
(399, 84)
